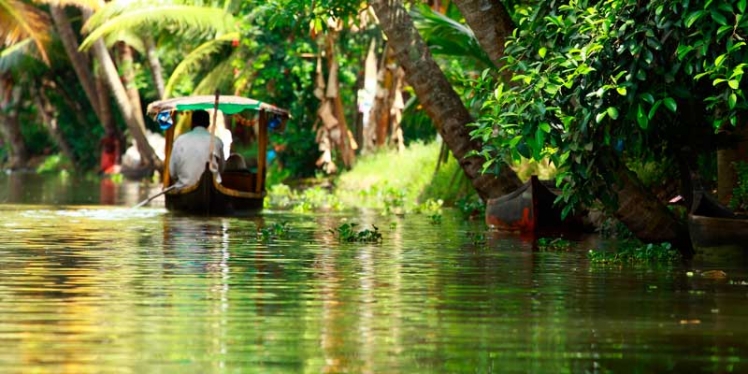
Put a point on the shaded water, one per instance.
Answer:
(91, 288)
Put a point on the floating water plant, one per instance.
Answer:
(347, 233)
(632, 252)
(274, 231)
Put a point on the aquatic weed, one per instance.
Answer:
(553, 244)
(471, 207)
(347, 233)
(436, 219)
(632, 252)
(274, 231)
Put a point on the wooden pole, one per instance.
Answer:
(262, 146)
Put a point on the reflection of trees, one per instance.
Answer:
(83, 291)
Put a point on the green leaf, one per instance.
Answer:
(600, 117)
(720, 59)
(732, 100)
(741, 6)
(542, 51)
(653, 110)
(513, 143)
(693, 17)
(545, 126)
(734, 84)
(648, 97)
(498, 92)
(613, 112)
(683, 51)
(670, 104)
(621, 90)
(718, 17)
(642, 118)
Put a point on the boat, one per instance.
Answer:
(530, 209)
(235, 192)
(712, 225)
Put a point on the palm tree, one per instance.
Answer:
(490, 23)
(439, 98)
(215, 25)
(23, 29)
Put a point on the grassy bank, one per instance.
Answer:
(388, 180)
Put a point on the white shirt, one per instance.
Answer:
(190, 154)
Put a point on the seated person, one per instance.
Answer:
(191, 151)
(235, 162)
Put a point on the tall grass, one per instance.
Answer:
(390, 179)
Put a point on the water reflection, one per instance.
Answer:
(99, 289)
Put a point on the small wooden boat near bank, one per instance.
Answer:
(530, 210)
(713, 226)
(237, 192)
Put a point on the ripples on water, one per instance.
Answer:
(95, 289)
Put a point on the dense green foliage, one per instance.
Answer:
(595, 82)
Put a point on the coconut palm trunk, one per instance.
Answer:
(133, 119)
(155, 65)
(127, 65)
(439, 99)
(10, 128)
(642, 213)
(490, 23)
(80, 61)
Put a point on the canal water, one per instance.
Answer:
(90, 285)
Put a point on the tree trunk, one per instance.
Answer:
(155, 65)
(490, 23)
(81, 63)
(105, 104)
(10, 96)
(127, 66)
(640, 211)
(439, 99)
(133, 119)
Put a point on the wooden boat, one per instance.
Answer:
(238, 191)
(530, 210)
(712, 225)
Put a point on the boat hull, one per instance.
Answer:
(716, 232)
(209, 198)
(530, 210)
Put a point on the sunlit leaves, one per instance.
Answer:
(20, 21)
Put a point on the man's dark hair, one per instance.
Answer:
(200, 118)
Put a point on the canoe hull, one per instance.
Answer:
(713, 227)
(209, 198)
(529, 210)
(714, 232)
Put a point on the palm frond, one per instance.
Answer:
(448, 37)
(175, 18)
(128, 37)
(194, 60)
(21, 21)
(218, 77)
(82, 4)
(12, 56)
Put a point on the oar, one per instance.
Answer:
(148, 200)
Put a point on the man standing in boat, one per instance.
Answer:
(191, 152)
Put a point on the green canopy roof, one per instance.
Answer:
(228, 104)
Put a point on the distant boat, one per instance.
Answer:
(712, 225)
(238, 191)
(530, 210)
